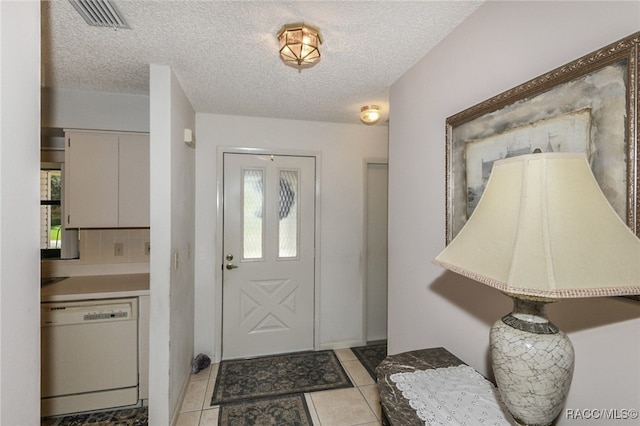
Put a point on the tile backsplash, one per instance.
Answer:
(99, 245)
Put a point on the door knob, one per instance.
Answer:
(229, 257)
(231, 265)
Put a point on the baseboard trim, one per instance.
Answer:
(183, 392)
(342, 344)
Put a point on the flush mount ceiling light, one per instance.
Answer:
(370, 114)
(299, 44)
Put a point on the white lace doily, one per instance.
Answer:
(453, 396)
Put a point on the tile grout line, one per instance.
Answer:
(360, 389)
(369, 403)
(355, 384)
(314, 416)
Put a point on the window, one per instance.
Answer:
(50, 212)
(55, 241)
(253, 220)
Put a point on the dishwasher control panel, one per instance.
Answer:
(88, 311)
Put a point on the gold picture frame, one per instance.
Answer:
(594, 96)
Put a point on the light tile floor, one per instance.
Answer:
(359, 405)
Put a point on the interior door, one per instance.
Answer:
(376, 257)
(268, 259)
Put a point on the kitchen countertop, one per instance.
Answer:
(96, 287)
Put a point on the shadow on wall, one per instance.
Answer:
(483, 303)
(488, 305)
(571, 315)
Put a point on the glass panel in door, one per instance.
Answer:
(288, 215)
(253, 219)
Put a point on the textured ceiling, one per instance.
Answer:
(225, 53)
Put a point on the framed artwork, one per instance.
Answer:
(589, 105)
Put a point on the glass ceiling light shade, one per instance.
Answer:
(370, 114)
(299, 45)
(542, 231)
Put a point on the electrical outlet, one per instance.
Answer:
(147, 248)
(118, 250)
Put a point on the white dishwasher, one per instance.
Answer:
(89, 355)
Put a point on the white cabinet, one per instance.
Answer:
(133, 181)
(143, 347)
(106, 179)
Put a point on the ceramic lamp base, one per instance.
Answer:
(532, 363)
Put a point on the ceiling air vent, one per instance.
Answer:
(99, 13)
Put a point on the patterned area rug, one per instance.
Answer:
(278, 375)
(282, 411)
(371, 356)
(138, 416)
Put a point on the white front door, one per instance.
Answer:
(268, 258)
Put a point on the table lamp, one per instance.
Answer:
(542, 231)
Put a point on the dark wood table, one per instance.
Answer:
(396, 410)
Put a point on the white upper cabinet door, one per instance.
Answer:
(91, 180)
(134, 181)
(106, 180)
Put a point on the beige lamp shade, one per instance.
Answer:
(543, 228)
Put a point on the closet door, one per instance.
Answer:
(91, 180)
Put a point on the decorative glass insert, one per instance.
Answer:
(252, 223)
(288, 215)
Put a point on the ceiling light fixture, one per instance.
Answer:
(370, 114)
(299, 45)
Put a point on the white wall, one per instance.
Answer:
(342, 148)
(82, 109)
(172, 236)
(19, 196)
(183, 225)
(498, 47)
